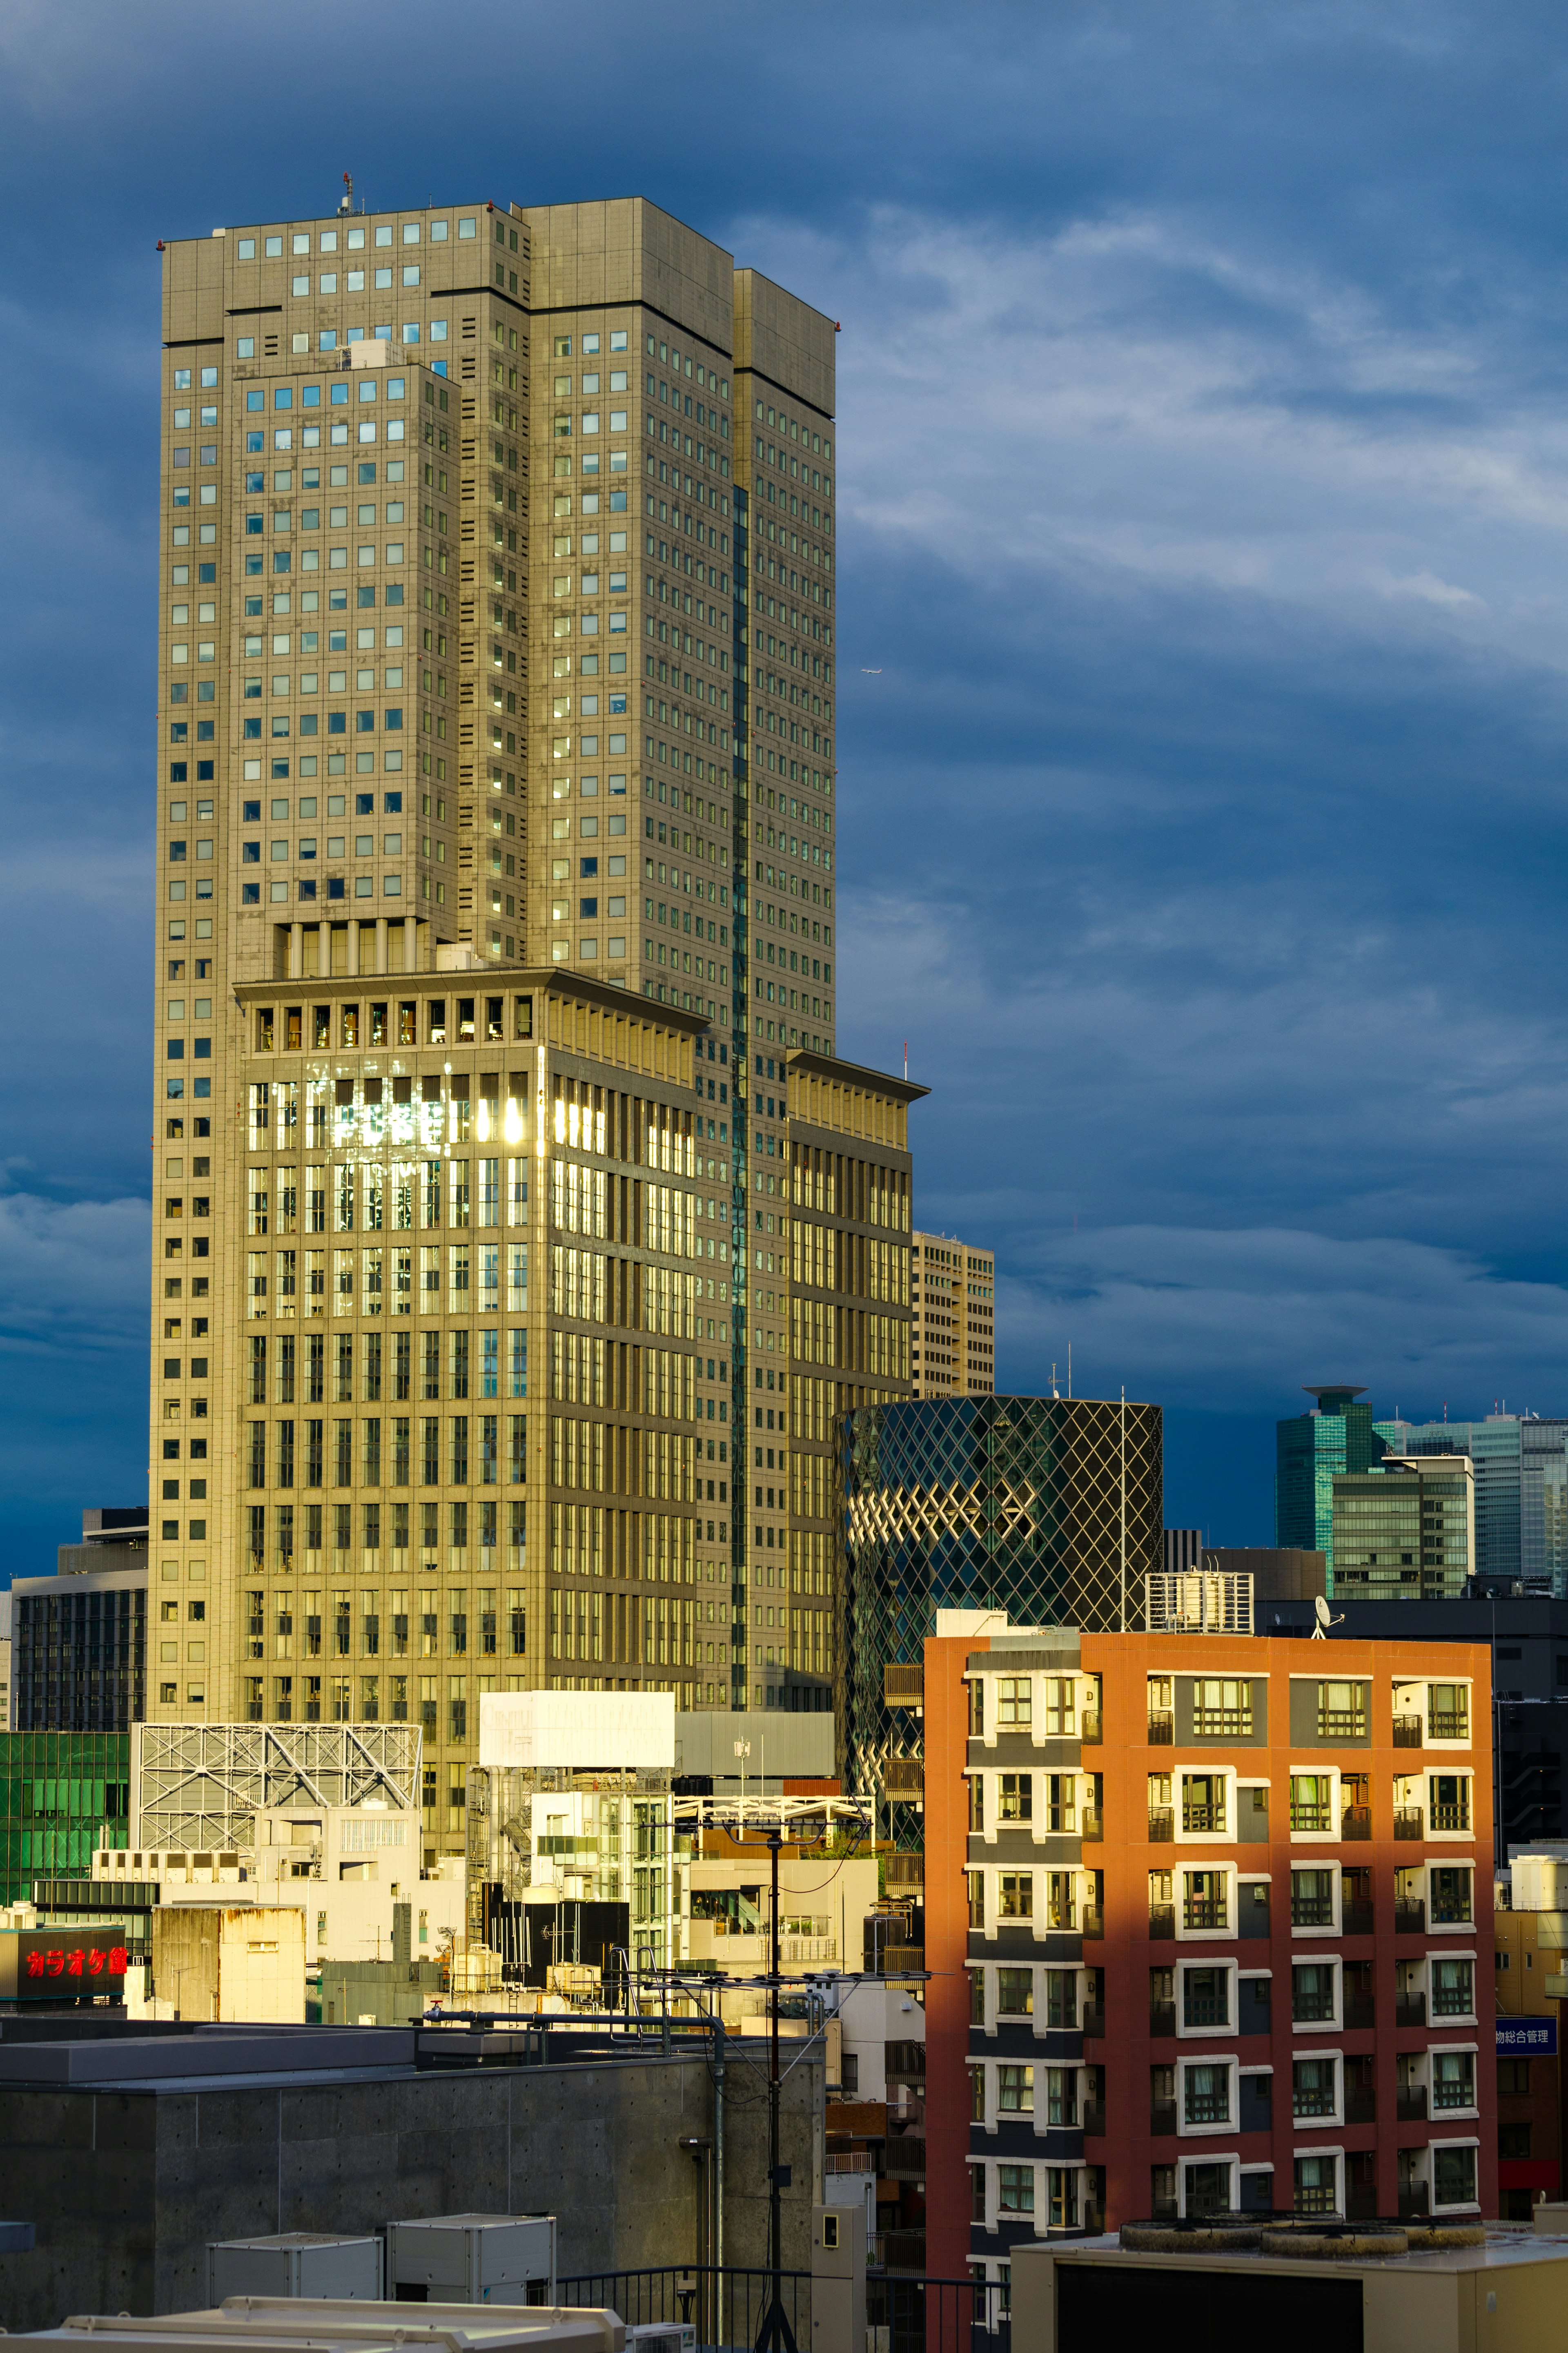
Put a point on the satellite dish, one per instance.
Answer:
(1321, 1609)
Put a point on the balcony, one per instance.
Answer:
(1410, 2009)
(905, 1869)
(1162, 1825)
(1355, 1916)
(1093, 1822)
(903, 1960)
(1410, 2106)
(1449, 1724)
(1409, 1918)
(1361, 2108)
(905, 2062)
(1094, 2119)
(904, 2159)
(1361, 2010)
(1407, 1732)
(903, 1686)
(1091, 1735)
(903, 2250)
(1162, 2018)
(1162, 2117)
(1094, 2023)
(904, 1777)
(1355, 1823)
(1162, 1728)
(1093, 1921)
(1161, 1920)
(1408, 1823)
(1412, 2202)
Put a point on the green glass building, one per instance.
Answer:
(1405, 1530)
(57, 1790)
(1336, 1436)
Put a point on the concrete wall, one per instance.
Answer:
(243, 1964)
(127, 2187)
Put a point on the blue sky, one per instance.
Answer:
(1203, 726)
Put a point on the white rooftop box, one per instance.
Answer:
(472, 2258)
(295, 2263)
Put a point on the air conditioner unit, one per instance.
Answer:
(662, 2336)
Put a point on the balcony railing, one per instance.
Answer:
(1413, 2202)
(1453, 1911)
(1093, 1921)
(902, 1960)
(1162, 1728)
(1094, 2119)
(1162, 1825)
(1360, 2009)
(1451, 1818)
(1204, 1912)
(905, 1869)
(1446, 2093)
(1199, 1816)
(1208, 2107)
(1093, 1822)
(1410, 2009)
(1410, 2106)
(1312, 1911)
(903, 1686)
(1205, 2010)
(1162, 2018)
(1409, 1916)
(1094, 2020)
(1310, 2008)
(1449, 1724)
(1161, 1919)
(1312, 2101)
(1452, 2001)
(905, 2062)
(904, 1777)
(1361, 2108)
(1309, 1814)
(904, 2157)
(1089, 1733)
(1407, 1732)
(1319, 2199)
(1356, 1915)
(1342, 1724)
(1408, 1823)
(1162, 2116)
(1355, 1823)
(1222, 1724)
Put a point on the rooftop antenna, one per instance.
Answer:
(347, 204)
(906, 1057)
(1055, 1391)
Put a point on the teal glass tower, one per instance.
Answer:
(1336, 1435)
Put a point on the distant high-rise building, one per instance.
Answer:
(1521, 1491)
(1405, 1530)
(1310, 1448)
(953, 1290)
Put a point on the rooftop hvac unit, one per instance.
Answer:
(296, 2263)
(472, 2258)
(663, 2337)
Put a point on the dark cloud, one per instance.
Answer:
(1206, 491)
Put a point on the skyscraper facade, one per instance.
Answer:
(1521, 1490)
(1310, 1448)
(954, 1292)
(497, 810)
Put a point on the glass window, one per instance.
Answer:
(1222, 1708)
(1342, 1710)
(1313, 1993)
(1015, 1992)
(1447, 1712)
(1205, 1997)
(1016, 2189)
(1202, 1801)
(1453, 2177)
(1311, 1899)
(1015, 1702)
(1311, 1801)
(1449, 1796)
(1015, 1895)
(1453, 2079)
(1313, 2088)
(1453, 1989)
(1207, 2094)
(1016, 1797)
(1015, 2091)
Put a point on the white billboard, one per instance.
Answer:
(577, 1732)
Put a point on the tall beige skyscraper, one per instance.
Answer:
(497, 978)
(954, 1298)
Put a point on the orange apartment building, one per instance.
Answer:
(1203, 1931)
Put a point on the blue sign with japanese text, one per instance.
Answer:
(1527, 2038)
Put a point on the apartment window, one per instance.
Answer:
(1206, 2189)
(1016, 1993)
(1061, 1705)
(1061, 1999)
(1205, 1997)
(1447, 1712)
(1207, 2094)
(1453, 1904)
(1453, 2079)
(1015, 2091)
(1513, 2079)
(1222, 1708)
(1342, 1710)
(1204, 1899)
(1448, 1799)
(1316, 2185)
(1311, 1801)
(1061, 1901)
(1016, 1797)
(1453, 1989)
(1202, 1801)
(1016, 2189)
(1061, 1803)
(1453, 2177)
(1014, 1896)
(1313, 1993)
(1014, 1702)
(1311, 1899)
(1313, 2088)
